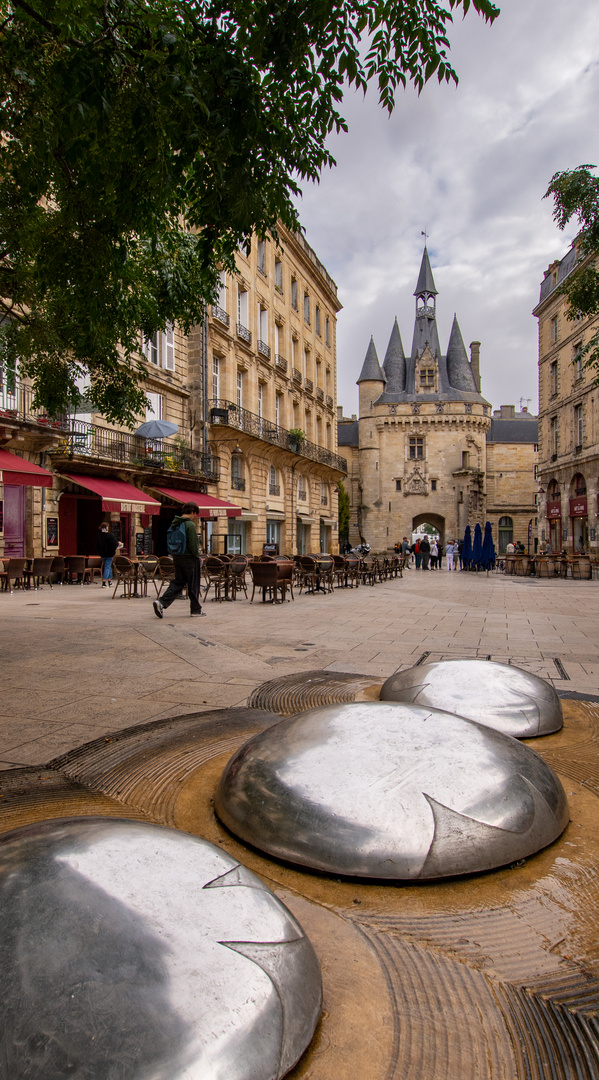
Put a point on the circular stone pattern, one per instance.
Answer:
(131, 950)
(499, 696)
(390, 791)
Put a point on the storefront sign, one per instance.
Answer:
(51, 532)
(132, 508)
(578, 506)
(554, 509)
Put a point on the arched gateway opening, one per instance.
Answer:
(435, 520)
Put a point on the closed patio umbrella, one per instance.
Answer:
(477, 546)
(487, 559)
(157, 429)
(467, 549)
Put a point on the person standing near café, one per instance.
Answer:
(106, 546)
(187, 564)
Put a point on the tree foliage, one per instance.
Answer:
(344, 507)
(575, 195)
(143, 141)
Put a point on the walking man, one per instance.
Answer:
(187, 564)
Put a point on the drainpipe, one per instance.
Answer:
(293, 467)
(205, 381)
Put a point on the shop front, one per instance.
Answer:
(326, 528)
(554, 517)
(16, 475)
(97, 499)
(580, 523)
(211, 510)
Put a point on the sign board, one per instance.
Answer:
(554, 509)
(148, 541)
(270, 549)
(578, 506)
(139, 544)
(51, 532)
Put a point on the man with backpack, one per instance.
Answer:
(182, 544)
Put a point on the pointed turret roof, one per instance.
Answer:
(394, 365)
(371, 369)
(459, 371)
(426, 283)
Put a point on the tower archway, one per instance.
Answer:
(436, 520)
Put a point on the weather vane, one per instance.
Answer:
(424, 233)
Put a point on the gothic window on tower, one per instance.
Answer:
(427, 377)
(416, 447)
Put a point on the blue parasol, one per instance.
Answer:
(467, 549)
(477, 546)
(487, 560)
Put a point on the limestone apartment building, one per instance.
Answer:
(568, 418)
(263, 362)
(426, 448)
(270, 389)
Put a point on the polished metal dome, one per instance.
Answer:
(135, 952)
(390, 791)
(499, 696)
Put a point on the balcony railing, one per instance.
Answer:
(104, 444)
(329, 402)
(309, 385)
(319, 394)
(17, 404)
(302, 495)
(274, 489)
(244, 333)
(280, 363)
(220, 314)
(230, 415)
(237, 483)
(264, 349)
(297, 376)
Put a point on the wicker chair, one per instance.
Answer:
(237, 571)
(94, 563)
(165, 572)
(123, 573)
(216, 576)
(148, 569)
(40, 571)
(76, 568)
(264, 576)
(13, 574)
(58, 568)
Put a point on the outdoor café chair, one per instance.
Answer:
(13, 574)
(165, 572)
(123, 573)
(58, 568)
(76, 568)
(148, 569)
(94, 563)
(264, 576)
(352, 563)
(285, 574)
(40, 571)
(215, 574)
(307, 573)
(237, 571)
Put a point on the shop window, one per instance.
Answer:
(506, 533)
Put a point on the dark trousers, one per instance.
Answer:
(187, 572)
(425, 559)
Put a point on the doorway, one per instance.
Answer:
(14, 521)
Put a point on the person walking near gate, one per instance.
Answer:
(182, 542)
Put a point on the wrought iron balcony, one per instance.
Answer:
(237, 483)
(220, 314)
(309, 385)
(226, 413)
(302, 495)
(91, 442)
(329, 402)
(274, 489)
(280, 363)
(319, 394)
(297, 376)
(244, 333)
(264, 349)
(16, 403)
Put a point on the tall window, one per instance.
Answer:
(278, 410)
(553, 378)
(317, 319)
(222, 290)
(263, 324)
(168, 348)
(294, 353)
(306, 362)
(277, 339)
(237, 477)
(506, 533)
(262, 256)
(465, 459)
(324, 494)
(242, 307)
(151, 349)
(416, 449)
(306, 308)
(154, 407)
(327, 330)
(273, 482)
(318, 373)
(553, 435)
(260, 400)
(278, 275)
(578, 359)
(554, 329)
(294, 293)
(239, 388)
(215, 374)
(578, 424)
(302, 491)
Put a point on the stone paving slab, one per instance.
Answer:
(74, 664)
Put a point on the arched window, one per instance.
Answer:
(506, 533)
(553, 491)
(579, 486)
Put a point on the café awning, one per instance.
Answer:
(117, 495)
(15, 470)
(209, 505)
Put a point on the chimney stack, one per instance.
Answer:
(339, 413)
(475, 362)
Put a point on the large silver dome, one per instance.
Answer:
(499, 696)
(133, 952)
(390, 791)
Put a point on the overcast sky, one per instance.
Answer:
(471, 164)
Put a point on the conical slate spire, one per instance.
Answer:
(426, 283)
(394, 365)
(459, 371)
(371, 369)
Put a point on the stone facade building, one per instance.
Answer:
(425, 448)
(269, 393)
(568, 418)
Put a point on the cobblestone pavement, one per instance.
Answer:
(76, 664)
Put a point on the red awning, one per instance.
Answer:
(209, 506)
(117, 495)
(15, 470)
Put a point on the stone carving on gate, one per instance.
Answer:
(415, 484)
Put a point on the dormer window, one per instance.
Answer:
(427, 377)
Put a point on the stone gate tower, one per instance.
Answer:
(421, 431)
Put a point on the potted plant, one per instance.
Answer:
(296, 438)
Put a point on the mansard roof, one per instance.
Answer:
(371, 369)
(426, 283)
(394, 364)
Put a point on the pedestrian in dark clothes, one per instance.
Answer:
(107, 546)
(188, 566)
